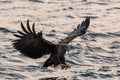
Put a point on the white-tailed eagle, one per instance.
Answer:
(33, 44)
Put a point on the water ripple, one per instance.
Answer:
(4, 30)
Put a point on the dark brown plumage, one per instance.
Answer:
(33, 44)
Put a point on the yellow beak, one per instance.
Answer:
(68, 50)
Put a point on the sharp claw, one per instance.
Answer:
(64, 66)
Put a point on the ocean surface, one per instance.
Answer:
(94, 56)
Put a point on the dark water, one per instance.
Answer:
(94, 56)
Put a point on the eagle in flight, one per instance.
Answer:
(34, 45)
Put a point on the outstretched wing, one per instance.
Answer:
(80, 30)
(32, 44)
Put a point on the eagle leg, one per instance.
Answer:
(63, 65)
(48, 62)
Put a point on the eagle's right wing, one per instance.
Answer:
(80, 30)
(32, 44)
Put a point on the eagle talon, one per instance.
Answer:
(65, 66)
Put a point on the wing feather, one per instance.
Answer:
(16, 35)
(31, 44)
(33, 28)
(20, 32)
(22, 26)
(28, 26)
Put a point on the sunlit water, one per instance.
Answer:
(94, 56)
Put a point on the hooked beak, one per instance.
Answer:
(68, 50)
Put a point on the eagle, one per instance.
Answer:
(34, 45)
